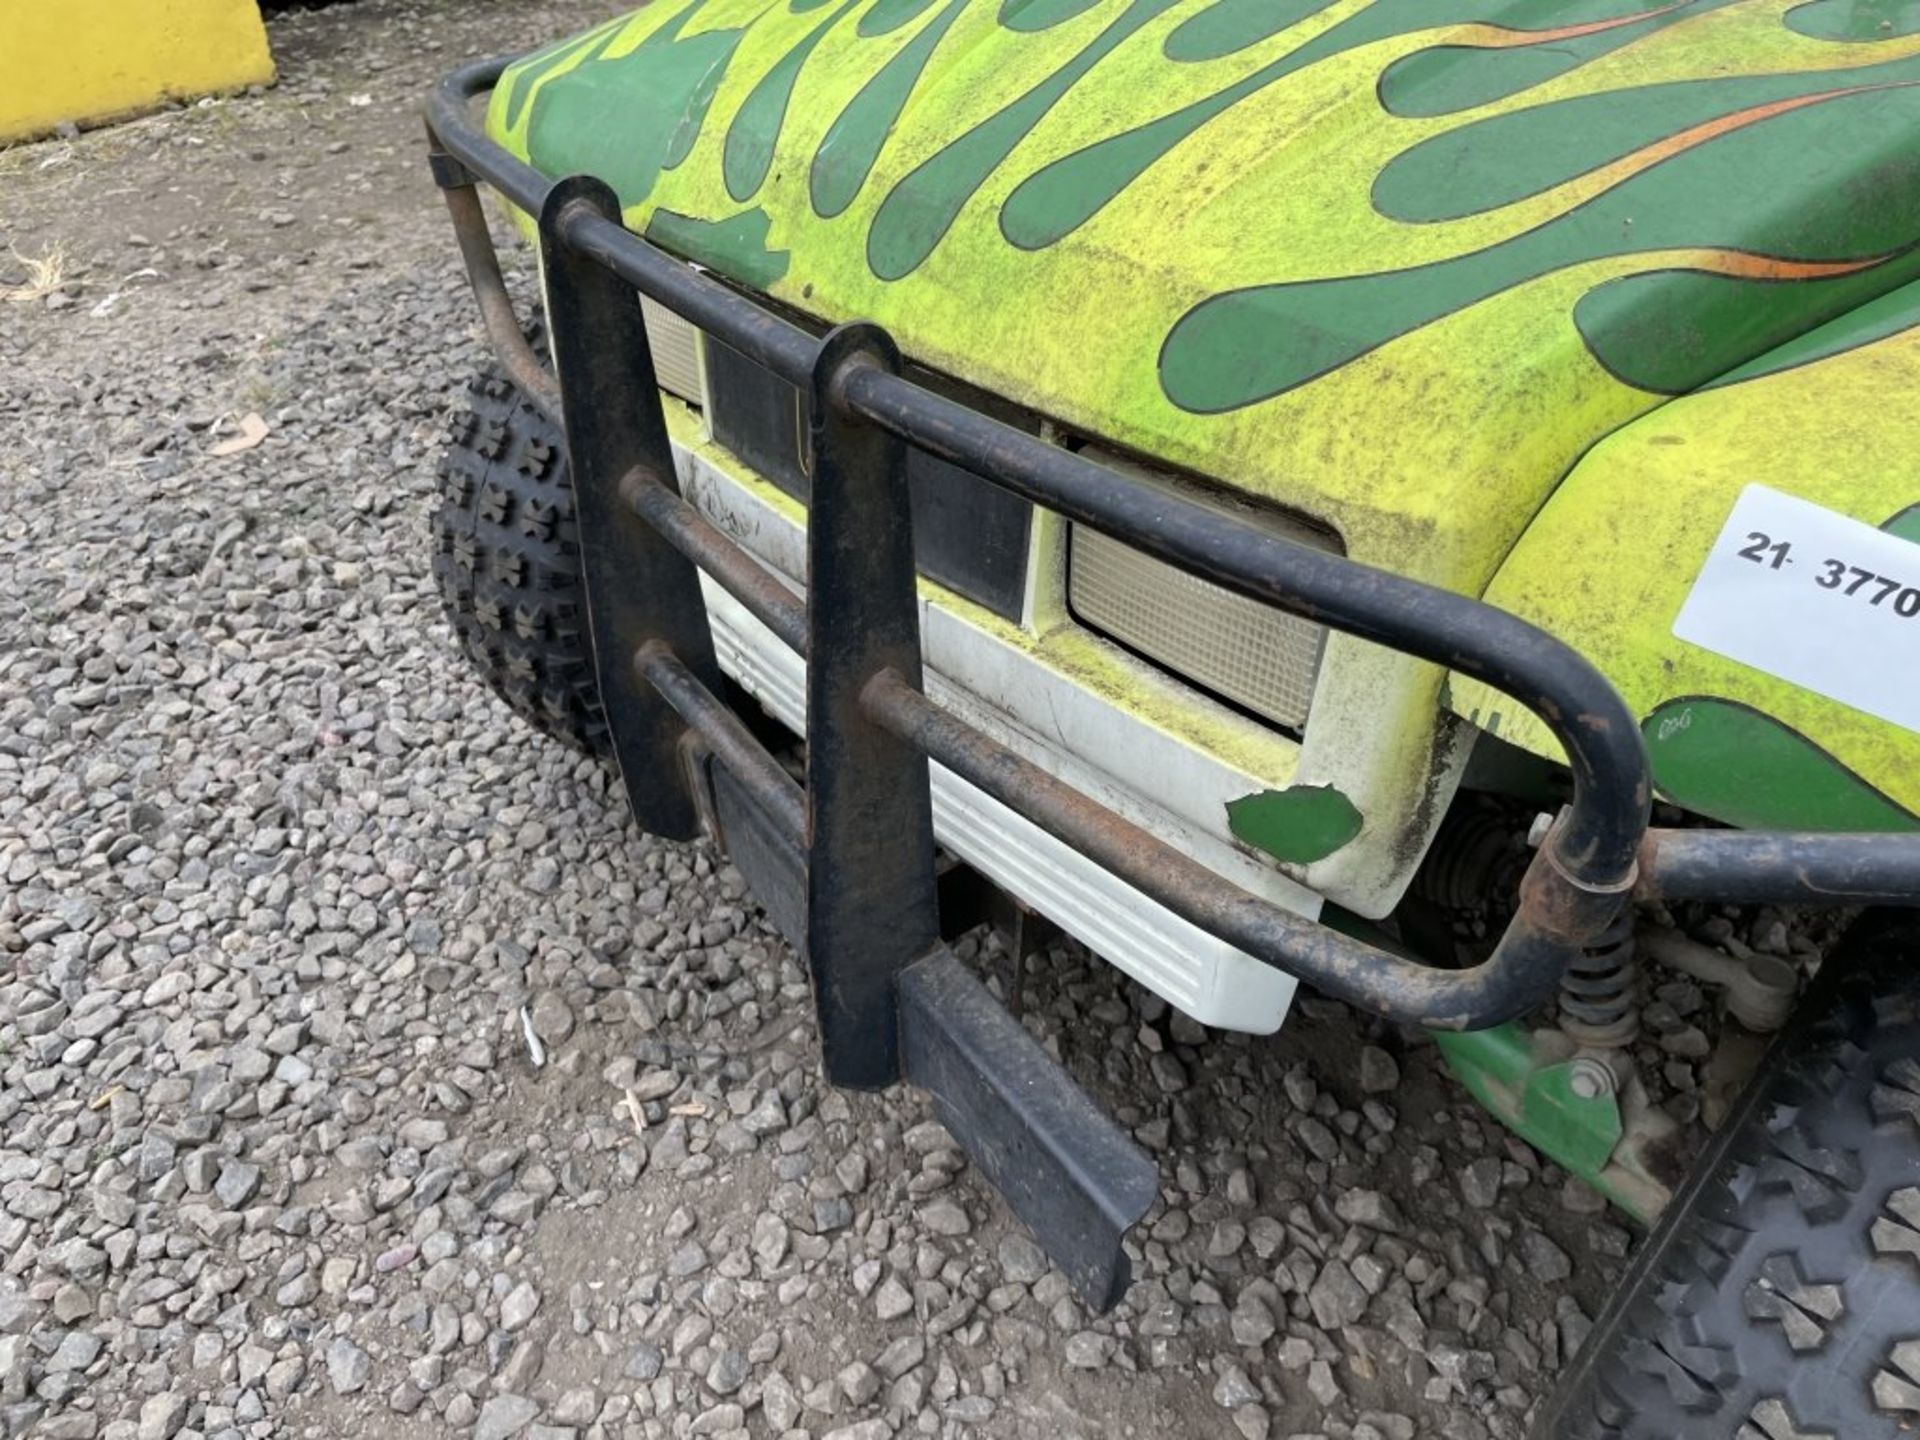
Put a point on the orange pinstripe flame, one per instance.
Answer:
(1499, 37)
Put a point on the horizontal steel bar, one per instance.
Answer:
(776, 792)
(1512, 981)
(747, 326)
(720, 555)
(1740, 866)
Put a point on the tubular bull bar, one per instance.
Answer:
(845, 864)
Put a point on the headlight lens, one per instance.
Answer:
(676, 353)
(1243, 651)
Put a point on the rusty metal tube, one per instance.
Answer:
(509, 342)
(1554, 918)
(1759, 866)
(722, 557)
(746, 759)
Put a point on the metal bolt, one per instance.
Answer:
(1538, 830)
(1589, 1079)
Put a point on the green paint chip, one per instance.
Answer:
(1301, 824)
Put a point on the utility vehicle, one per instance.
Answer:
(1245, 481)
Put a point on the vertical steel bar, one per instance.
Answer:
(872, 904)
(638, 586)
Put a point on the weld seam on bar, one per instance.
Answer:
(1589, 861)
(720, 555)
(726, 735)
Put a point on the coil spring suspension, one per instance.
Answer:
(1599, 1003)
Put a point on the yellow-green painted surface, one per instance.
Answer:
(1611, 557)
(1397, 264)
(90, 60)
(1428, 451)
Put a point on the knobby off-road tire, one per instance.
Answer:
(506, 558)
(1779, 1299)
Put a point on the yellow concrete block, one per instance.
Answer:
(93, 60)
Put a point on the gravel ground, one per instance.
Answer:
(280, 879)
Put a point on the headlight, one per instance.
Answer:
(1251, 654)
(676, 353)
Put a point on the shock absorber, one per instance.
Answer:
(1599, 1003)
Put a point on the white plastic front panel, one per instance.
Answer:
(1208, 979)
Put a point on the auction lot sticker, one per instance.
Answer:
(1816, 598)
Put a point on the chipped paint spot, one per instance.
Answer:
(736, 245)
(1302, 824)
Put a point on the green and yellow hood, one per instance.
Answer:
(1398, 264)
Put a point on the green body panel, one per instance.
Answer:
(1397, 264)
(1502, 1069)
(1744, 767)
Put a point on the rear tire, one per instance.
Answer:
(506, 559)
(1779, 1297)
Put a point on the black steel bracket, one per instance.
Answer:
(448, 173)
(872, 907)
(1063, 1167)
(637, 585)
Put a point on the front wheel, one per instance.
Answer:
(1779, 1298)
(506, 559)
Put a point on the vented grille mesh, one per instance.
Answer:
(1237, 648)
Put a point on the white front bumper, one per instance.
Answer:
(1208, 979)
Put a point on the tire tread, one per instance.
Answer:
(1779, 1298)
(506, 561)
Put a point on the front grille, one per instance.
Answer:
(1242, 651)
(969, 536)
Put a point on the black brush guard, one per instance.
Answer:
(846, 866)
